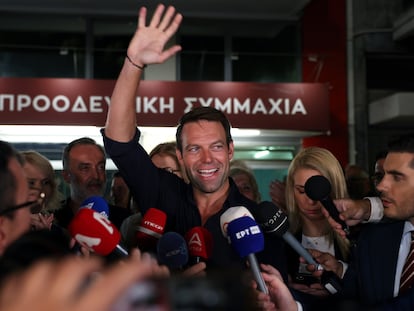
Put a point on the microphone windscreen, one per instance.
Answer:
(271, 219)
(151, 228)
(245, 236)
(200, 242)
(98, 204)
(231, 214)
(172, 250)
(317, 187)
(94, 231)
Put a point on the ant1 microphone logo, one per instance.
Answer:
(195, 239)
(195, 244)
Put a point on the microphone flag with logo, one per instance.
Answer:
(95, 232)
(200, 244)
(150, 229)
(98, 204)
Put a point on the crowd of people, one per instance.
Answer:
(196, 183)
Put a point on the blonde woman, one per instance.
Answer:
(308, 223)
(42, 187)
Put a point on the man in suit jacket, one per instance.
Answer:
(371, 275)
(374, 273)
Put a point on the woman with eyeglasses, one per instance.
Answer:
(42, 189)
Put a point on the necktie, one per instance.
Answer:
(407, 275)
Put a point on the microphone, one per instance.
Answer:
(247, 239)
(231, 214)
(150, 229)
(318, 188)
(200, 244)
(98, 204)
(274, 221)
(95, 232)
(172, 251)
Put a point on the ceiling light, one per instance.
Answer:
(261, 154)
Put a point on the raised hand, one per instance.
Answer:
(277, 194)
(147, 46)
(40, 221)
(148, 43)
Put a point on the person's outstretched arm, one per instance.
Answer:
(146, 47)
(279, 297)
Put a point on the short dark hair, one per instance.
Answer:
(7, 179)
(382, 154)
(76, 142)
(203, 113)
(403, 143)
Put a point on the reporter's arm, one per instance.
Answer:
(280, 297)
(377, 209)
(354, 212)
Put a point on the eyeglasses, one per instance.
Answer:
(35, 206)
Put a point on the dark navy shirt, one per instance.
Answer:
(157, 188)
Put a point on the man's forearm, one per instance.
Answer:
(121, 120)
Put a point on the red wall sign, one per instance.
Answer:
(286, 106)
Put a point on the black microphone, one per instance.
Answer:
(318, 188)
(274, 221)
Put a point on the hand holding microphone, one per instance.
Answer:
(94, 231)
(318, 188)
